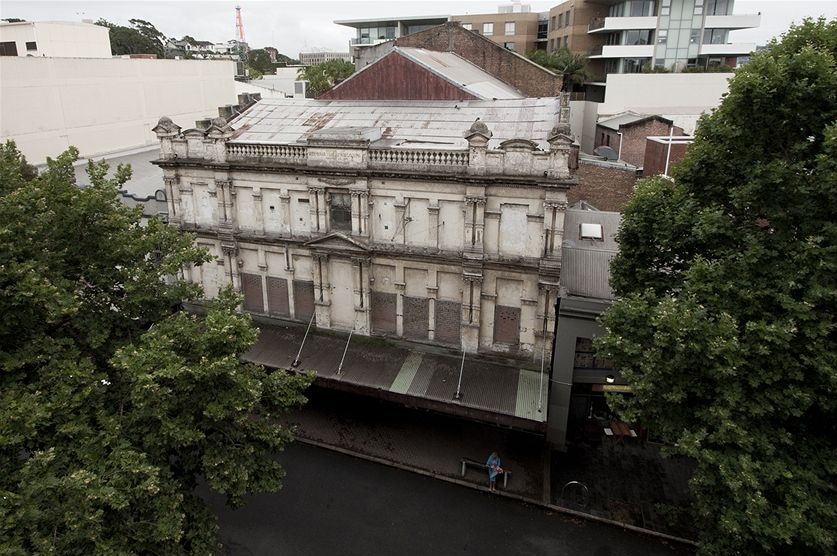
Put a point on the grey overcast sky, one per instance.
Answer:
(308, 25)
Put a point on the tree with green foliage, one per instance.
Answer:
(324, 76)
(572, 66)
(258, 62)
(141, 38)
(113, 403)
(725, 327)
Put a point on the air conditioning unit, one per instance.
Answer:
(300, 89)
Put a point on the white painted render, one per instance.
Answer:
(681, 97)
(58, 39)
(104, 105)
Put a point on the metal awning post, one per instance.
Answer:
(458, 394)
(540, 387)
(296, 361)
(340, 366)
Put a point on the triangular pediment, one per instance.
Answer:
(337, 241)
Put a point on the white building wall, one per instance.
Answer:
(104, 105)
(681, 97)
(58, 39)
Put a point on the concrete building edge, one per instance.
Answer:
(518, 497)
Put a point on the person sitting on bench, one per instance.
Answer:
(494, 469)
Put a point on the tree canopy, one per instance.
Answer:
(112, 402)
(571, 65)
(324, 76)
(258, 62)
(141, 38)
(725, 326)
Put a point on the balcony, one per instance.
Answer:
(740, 21)
(610, 24)
(733, 49)
(367, 40)
(624, 51)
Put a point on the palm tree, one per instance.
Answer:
(571, 65)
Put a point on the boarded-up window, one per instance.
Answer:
(277, 297)
(513, 230)
(383, 312)
(451, 226)
(448, 322)
(252, 286)
(303, 300)
(506, 325)
(416, 317)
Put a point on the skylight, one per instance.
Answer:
(591, 231)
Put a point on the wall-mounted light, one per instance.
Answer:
(610, 379)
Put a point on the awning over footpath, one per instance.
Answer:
(491, 392)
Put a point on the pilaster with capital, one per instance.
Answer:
(322, 290)
(172, 198)
(229, 250)
(474, 223)
(358, 213)
(223, 190)
(316, 205)
(553, 227)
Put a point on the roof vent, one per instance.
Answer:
(591, 231)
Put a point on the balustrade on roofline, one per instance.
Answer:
(377, 158)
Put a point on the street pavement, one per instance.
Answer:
(334, 504)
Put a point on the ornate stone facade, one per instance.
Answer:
(458, 247)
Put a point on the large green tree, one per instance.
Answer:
(141, 37)
(113, 403)
(258, 62)
(725, 328)
(322, 77)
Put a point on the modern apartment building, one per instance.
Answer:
(370, 32)
(619, 36)
(627, 36)
(314, 58)
(518, 31)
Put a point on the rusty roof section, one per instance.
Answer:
(404, 124)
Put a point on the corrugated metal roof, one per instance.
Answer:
(585, 263)
(460, 72)
(439, 124)
(614, 122)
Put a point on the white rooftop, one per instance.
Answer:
(429, 124)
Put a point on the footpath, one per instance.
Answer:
(433, 445)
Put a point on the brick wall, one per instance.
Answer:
(529, 78)
(635, 136)
(655, 157)
(604, 187)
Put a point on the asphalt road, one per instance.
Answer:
(333, 504)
